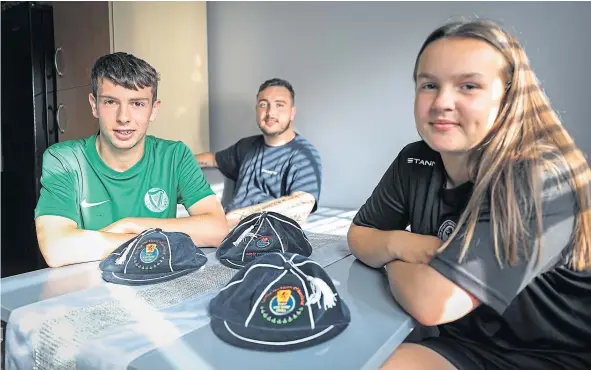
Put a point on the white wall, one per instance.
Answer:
(351, 66)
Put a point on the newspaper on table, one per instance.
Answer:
(108, 326)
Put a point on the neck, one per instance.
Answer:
(456, 167)
(119, 159)
(279, 140)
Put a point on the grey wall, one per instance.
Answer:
(351, 65)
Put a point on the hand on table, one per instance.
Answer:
(123, 226)
(233, 219)
(421, 252)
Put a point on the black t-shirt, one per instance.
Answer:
(528, 307)
(263, 173)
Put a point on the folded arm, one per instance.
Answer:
(62, 243)
(376, 247)
(429, 297)
(297, 206)
(206, 224)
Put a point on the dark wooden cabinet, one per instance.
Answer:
(74, 117)
(82, 35)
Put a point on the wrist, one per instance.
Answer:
(394, 244)
(132, 226)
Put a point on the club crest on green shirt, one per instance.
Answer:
(156, 200)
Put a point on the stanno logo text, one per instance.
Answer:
(421, 162)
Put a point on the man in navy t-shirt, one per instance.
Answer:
(277, 171)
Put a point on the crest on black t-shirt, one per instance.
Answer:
(445, 230)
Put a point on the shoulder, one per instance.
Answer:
(251, 140)
(69, 147)
(417, 160)
(161, 146)
(419, 153)
(301, 145)
(70, 151)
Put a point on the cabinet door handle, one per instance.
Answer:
(58, 50)
(57, 118)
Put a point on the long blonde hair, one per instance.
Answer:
(526, 133)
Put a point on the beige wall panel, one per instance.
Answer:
(172, 37)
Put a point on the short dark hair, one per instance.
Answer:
(278, 82)
(125, 70)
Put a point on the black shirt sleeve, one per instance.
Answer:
(230, 159)
(386, 208)
(480, 273)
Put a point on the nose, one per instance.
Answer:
(123, 115)
(271, 112)
(444, 100)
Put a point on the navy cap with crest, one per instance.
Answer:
(152, 257)
(279, 302)
(259, 234)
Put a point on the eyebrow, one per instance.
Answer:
(429, 76)
(276, 101)
(113, 98)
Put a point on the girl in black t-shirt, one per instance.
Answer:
(497, 198)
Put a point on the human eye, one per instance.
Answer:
(428, 86)
(469, 86)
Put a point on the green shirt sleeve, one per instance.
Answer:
(58, 189)
(192, 184)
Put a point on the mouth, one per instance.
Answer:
(443, 125)
(124, 134)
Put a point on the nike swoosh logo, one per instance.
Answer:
(85, 204)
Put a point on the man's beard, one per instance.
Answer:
(274, 134)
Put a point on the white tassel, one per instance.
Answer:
(319, 290)
(244, 234)
(123, 257)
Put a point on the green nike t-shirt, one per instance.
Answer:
(77, 184)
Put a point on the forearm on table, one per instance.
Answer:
(376, 247)
(77, 246)
(206, 230)
(296, 206)
(429, 297)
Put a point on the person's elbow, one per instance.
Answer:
(221, 231)
(52, 232)
(433, 310)
(217, 231)
(355, 242)
(51, 254)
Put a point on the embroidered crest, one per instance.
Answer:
(282, 305)
(150, 254)
(156, 200)
(264, 241)
(445, 230)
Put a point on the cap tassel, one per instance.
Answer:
(121, 259)
(321, 289)
(244, 234)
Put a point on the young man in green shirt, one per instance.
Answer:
(100, 191)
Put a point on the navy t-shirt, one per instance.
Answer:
(263, 173)
(544, 308)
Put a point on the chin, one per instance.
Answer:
(271, 133)
(122, 145)
(446, 145)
